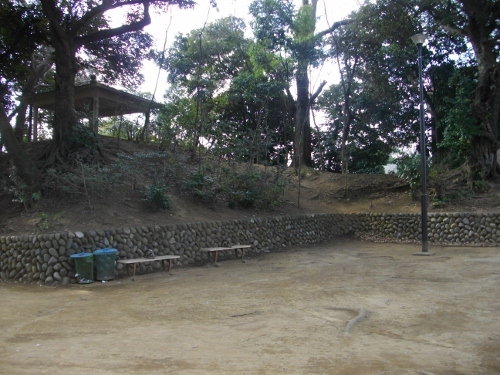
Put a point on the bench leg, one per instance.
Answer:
(169, 264)
(129, 267)
(242, 253)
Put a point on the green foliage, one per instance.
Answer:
(272, 23)
(84, 137)
(87, 180)
(246, 188)
(201, 186)
(459, 126)
(120, 127)
(22, 194)
(301, 171)
(369, 158)
(252, 188)
(242, 188)
(480, 185)
(304, 41)
(367, 168)
(96, 182)
(44, 220)
(409, 169)
(305, 23)
(156, 196)
(21, 35)
(99, 180)
(153, 164)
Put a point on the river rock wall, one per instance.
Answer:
(46, 258)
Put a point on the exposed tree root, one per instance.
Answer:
(67, 159)
(361, 314)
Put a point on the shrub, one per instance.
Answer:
(201, 185)
(90, 181)
(154, 164)
(84, 137)
(251, 188)
(156, 196)
(409, 169)
(245, 188)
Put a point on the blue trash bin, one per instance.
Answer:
(84, 264)
(105, 264)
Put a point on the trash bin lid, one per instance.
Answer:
(81, 255)
(105, 251)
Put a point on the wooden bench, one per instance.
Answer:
(135, 261)
(216, 250)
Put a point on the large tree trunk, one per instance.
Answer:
(65, 117)
(63, 40)
(483, 162)
(307, 39)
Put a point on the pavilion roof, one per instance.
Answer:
(112, 102)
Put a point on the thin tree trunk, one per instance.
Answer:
(302, 139)
(25, 167)
(21, 130)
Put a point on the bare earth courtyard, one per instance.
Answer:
(343, 307)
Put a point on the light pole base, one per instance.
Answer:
(424, 254)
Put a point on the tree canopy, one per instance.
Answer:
(72, 30)
(251, 97)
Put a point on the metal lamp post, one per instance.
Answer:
(419, 40)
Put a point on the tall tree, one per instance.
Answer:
(452, 24)
(372, 108)
(21, 35)
(80, 23)
(237, 85)
(281, 29)
(477, 21)
(202, 65)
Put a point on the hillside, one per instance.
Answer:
(320, 192)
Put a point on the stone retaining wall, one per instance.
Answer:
(45, 258)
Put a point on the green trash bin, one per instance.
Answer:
(105, 264)
(84, 264)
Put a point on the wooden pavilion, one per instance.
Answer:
(94, 100)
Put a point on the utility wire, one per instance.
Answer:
(160, 65)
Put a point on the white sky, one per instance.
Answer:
(185, 20)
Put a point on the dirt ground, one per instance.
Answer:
(343, 307)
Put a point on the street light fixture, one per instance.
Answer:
(419, 40)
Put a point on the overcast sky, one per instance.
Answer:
(183, 21)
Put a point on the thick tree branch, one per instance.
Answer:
(290, 97)
(107, 5)
(332, 28)
(109, 33)
(316, 93)
(440, 19)
(104, 7)
(49, 9)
